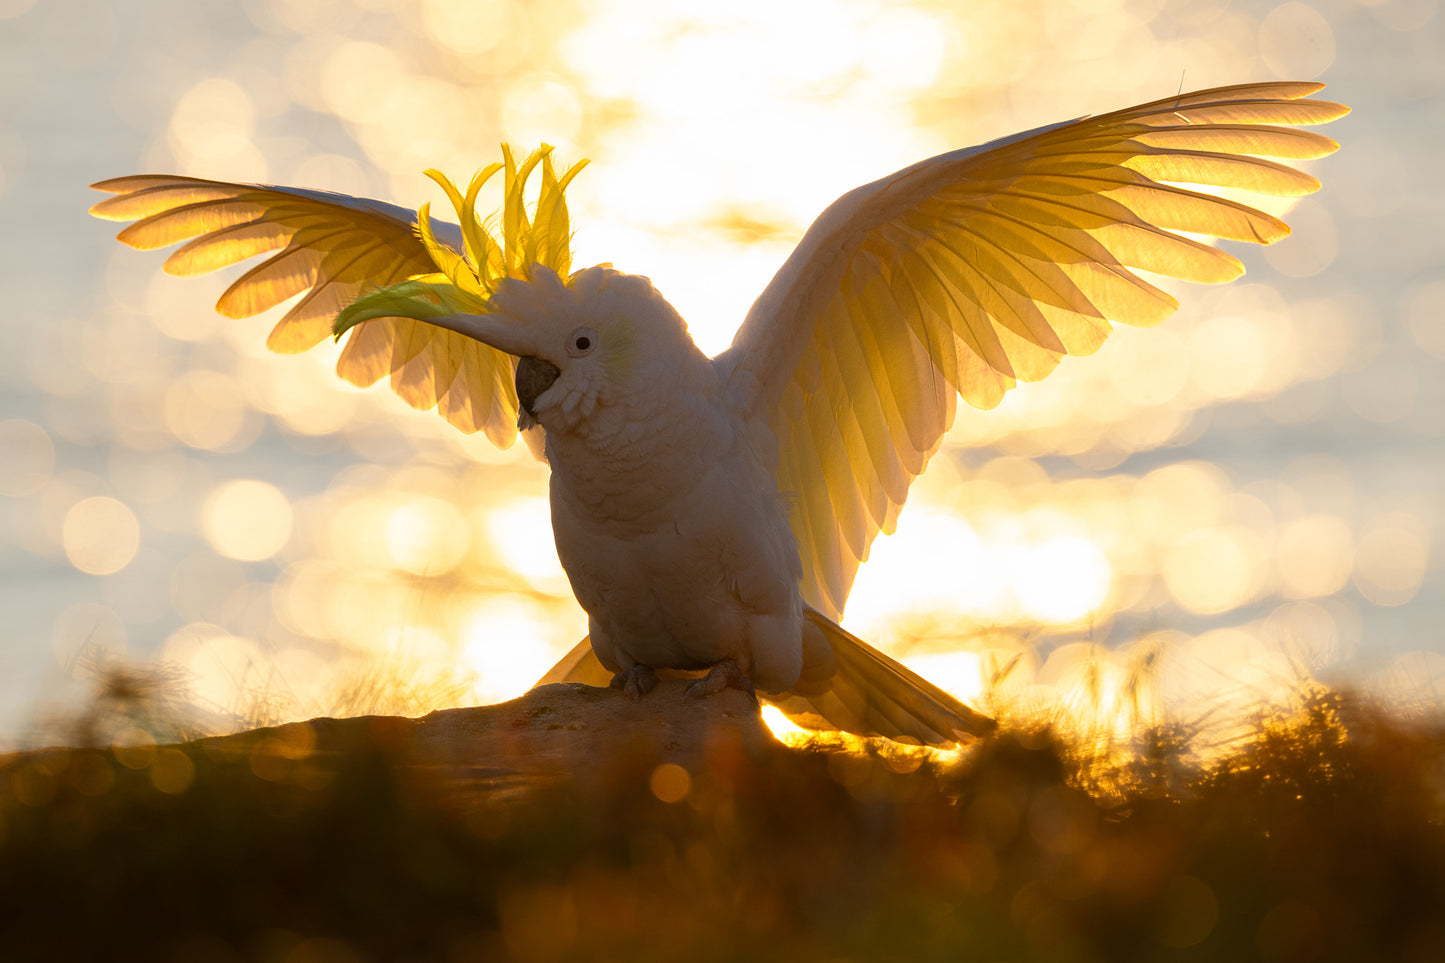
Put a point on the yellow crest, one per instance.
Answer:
(465, 279)
(469, 382)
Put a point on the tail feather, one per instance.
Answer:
(867, 694)
(872, 694)
(578, 665)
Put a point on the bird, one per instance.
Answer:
(711, 513)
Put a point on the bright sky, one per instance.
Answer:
(1252, 489)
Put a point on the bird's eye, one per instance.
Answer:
(581, 342)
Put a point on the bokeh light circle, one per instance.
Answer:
(247, 520)
(100, 535)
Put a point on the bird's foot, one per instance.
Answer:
(725, 675)
(637, 681)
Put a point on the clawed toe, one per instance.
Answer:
(637, 681)
(724, 675)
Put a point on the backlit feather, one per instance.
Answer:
(385, 265)
(981, 268)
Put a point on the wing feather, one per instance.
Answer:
(1037, 284)
(904, 367)
(835, 441)
(1241, 139)
(308, 321)
(1000, 295)
(224, 247)
(1031, 347)
(1113, 290)
(1242, 173)
(824, 554)
(366, 357)
(177, 224)
(979, 268)
(329, 249)
(883, 464)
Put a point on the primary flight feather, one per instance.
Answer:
(711, 513)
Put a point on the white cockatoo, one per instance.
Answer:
(711, 513)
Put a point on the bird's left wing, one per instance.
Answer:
(330, 249)
(976, 269)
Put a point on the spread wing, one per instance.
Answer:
(976, 269)
(329, 249)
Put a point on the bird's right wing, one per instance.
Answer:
(330, 249)
(976, 269)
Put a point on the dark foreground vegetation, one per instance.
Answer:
(1318, 837)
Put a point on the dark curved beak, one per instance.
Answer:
(534, 376)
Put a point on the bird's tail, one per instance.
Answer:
(578, 665)
(869, 694)
(860, 690)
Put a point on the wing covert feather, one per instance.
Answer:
(973, 270)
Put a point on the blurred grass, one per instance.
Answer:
(1316, 836)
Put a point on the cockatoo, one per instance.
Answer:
(711, 513)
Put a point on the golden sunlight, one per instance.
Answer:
(246, 519)
(1098, 504)
(426, 536)
(1213, 569)
(520, 532)
(1014, 571)
(1061, 580)
(224, 670)
(510, 643)
(666, 195)
(962, 673)
(784, 729)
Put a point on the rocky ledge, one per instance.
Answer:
(566, 733)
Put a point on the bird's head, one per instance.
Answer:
(598, 339)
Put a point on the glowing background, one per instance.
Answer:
(1209, 511)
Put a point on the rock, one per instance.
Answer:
(555, 734)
